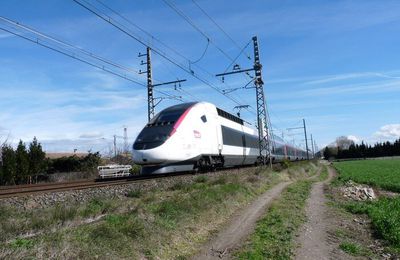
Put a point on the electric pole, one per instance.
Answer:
(150, 98)
(263, 123)
(125, 140)
(305, 135)
(115, 146)
(150, 86)
(312, 146)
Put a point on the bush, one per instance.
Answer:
(285, 163)
(74, 163)
(135, 169)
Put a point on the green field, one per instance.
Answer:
(384, 212)
(378, 173)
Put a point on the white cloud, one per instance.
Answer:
(91, 135)
(391, 131)
(354, 138)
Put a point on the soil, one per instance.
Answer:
(314, 240)
(240, 226)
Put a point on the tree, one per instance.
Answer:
(327, 153)
(22, 160)
(343, 143)
(9, 165)
(37, 158)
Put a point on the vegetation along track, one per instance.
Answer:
(29, 189)
(23, 190)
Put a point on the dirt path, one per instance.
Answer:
(241, 225)
(314, 241)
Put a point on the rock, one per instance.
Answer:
(358, 192)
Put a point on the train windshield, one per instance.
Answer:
(157, 131)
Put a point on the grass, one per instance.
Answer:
(385, 217)
(324, 174)
(385, 212)
(378, 173)
(273, 236)
(351, 248)
(161, 223)
(134, 194)
(168, 223)
(22, 243)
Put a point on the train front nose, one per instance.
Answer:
(151, 156)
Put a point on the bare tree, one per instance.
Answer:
(343, 143)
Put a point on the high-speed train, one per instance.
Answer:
(199, 135)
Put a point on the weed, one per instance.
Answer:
(286, 163)
(39, 221)
(135, 169)
(134, 194)
(178, 186)
(253, 179)
(201, 179)
(63, 213)
(22, 243)
(350, 248)
(103, 231)
(273, 235)
(324, 174)
(96, 206)
(220, 180)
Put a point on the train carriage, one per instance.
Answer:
(195, 136)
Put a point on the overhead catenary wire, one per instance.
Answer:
(129, 33)
(220, 28)
(71, 55)
(189, 21)
(187, 60)
(107, 18)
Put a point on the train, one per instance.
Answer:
(200, 136)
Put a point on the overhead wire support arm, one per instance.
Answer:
(169, 82)
(233, 72)
(151, 105)
(265, 136)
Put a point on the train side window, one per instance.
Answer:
(203, 118)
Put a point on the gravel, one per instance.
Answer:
(44, 200)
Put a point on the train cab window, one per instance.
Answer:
(203, 118)
(159, 128)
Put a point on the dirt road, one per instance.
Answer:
(314, 241)
(241, 225)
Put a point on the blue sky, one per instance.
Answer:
(334, 63)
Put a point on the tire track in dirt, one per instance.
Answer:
(240, 227)
(314, 241)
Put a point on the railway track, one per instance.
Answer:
(29, 189)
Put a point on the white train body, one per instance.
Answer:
(192, 136)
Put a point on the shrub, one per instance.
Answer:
(135, 169)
